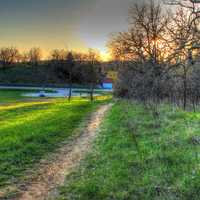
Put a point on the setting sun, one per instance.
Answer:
(105, 56)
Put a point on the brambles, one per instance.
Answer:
(159, 56)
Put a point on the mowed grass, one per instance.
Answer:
(30, 130)
(140, 157)
(15, 95)
(11, 95)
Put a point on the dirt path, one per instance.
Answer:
(52, 174)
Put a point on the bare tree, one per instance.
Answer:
(145, 38)
(70, 64)
(158, 53)
(143, 49)
(35, 56)
(93, 74)
(25, 57)
(8, 56)
(192, 7)
(182, 37)
(58, 55)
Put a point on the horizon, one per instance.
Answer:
(62, 24)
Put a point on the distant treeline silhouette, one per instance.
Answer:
(61, 67)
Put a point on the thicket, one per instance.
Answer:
(159, 54)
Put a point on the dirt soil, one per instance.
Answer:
(52, 172)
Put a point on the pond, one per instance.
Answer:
(64, 92)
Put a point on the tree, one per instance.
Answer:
(158, 54)
(25, 57)
(8, 56)
(184, 39)
(145, 40)
(35, 56)
(143, 50)
(58, 55)
(93, 72)
(181, 38)
(70, 65)
(192, 9)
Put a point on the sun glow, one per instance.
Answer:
(105, 56)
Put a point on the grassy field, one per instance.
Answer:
(141, 155)
(11, 95)
(15, 95)
(30, 130)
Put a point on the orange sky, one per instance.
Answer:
(73, 25)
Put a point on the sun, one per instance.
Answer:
(105, 56)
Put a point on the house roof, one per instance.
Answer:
(108, 80)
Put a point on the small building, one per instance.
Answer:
(107, 84)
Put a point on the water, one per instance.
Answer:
(61, 93)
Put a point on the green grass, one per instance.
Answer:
(96, 91)
(140, 157)
(8, 96)
(15, 95)
(30, 130)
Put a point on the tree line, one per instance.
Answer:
(11, 55)
(159, 53)
(68, 66)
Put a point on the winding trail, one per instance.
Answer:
(52, 173)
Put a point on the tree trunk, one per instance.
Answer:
(185, 89)
(70, 86)
(92, 92)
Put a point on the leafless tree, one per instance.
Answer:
(145, 38)
(192, 7)
(70, 63)
(8, 56)
(35, 56)
(92, 72)
(182, 37)
(158, 53)
(144, 45)
(57, 55)
(24, 57)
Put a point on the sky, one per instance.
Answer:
(71, 24)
